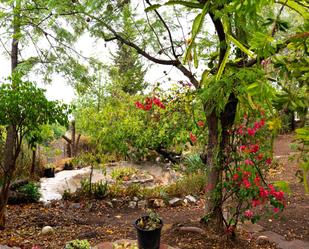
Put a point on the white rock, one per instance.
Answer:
(261, 240)
(47, 230)
(135, 198)
(132, 204)
(175, 202)
(157, 203)
(191, 199)
(142, 204)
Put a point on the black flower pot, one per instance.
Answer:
(148, 239)
(49, 173)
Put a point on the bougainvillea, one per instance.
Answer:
(149, 102)
(246, 194)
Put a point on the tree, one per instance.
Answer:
(242, 44)
(27, 22)
(25, 108)
(127, 71)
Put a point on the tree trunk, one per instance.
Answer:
(73, 132)
(213, 207)
(217, 141)
(9, 168)
(33, 161)
(11, 150)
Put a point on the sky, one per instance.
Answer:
(89, 47)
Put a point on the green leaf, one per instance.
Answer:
(302, 10)
(250, 101)
(186, 4)
(283, 185)
(223, 63)
(240, 46)
(153, 7)
(195, 58)
(196, 27)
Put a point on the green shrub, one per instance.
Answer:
(194, 163)
(123, 173)
(31, 190)
(78, 244)
(97, 189)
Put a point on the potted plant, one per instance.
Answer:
(149, 231)
(49, 170)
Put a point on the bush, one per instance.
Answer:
(31, 190)
(78, 244)
(194, 164)
(98, 189)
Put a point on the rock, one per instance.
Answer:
(47, 230)
(175, 202)
(135, 198)
(132, 204)
(109, 203)
(75, 205)
(142, 204)
(157, 203)
(191, 199)
(262, 240)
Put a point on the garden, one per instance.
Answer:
(188, 130)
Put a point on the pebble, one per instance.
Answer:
(175, 202)
(47, 230)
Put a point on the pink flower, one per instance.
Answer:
(243, 147)
(192, 137)
(257, 125)
(248, 214)
(249, 162)
(276, 210)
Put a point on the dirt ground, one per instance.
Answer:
(98, 222)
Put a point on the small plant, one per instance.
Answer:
(31, 190)
(194, 163)
(123, 173)
(78, 244)
(98, 190)
(150, 222)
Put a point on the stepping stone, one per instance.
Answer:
(7, 247)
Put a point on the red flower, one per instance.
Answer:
(139, 105)
(200, 123)
(158, 103)
(243, 147)
(235, 177)
(260, 156)
(254, 148)
(262, 122)
(257, 181)
(279, 195)
(246, 183)
(147, 107)
(256, 202)
(263, 192)
(276, 210)
(248, 214)
(192, 138)
(251, 132)
(268, 161)
(257, 125)
(249, 162)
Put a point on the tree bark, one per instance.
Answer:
(11, 150)
(33, 161)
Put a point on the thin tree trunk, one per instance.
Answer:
(33, 161)
(73, 145)
(11, 150)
